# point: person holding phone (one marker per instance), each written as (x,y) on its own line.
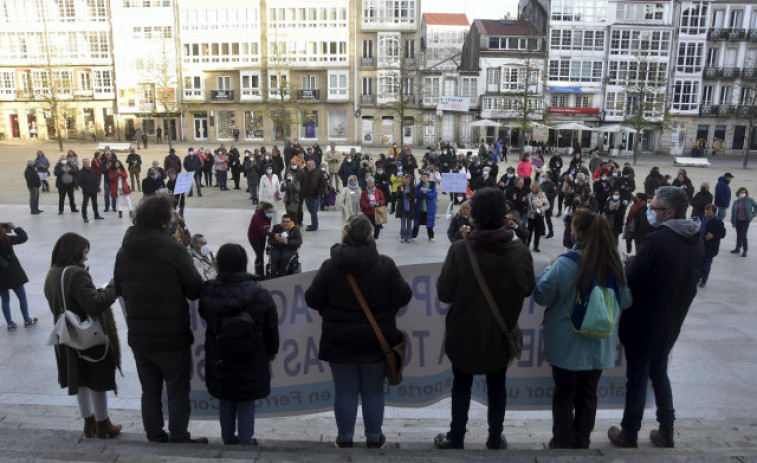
(12,275)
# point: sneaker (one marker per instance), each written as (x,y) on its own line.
(379,443)
(12,326)
(621,440)
(662,438)
(86,220)
(735,251)
(30,323)
(496,442)
(443,442)
(537,250)
(431,240)
(342,443)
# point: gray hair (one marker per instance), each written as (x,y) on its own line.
(370,179)
(357,230)
(196,238)
(352,177)
(672,197)
(580,176)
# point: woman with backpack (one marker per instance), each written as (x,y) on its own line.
(241,339)
(578,358)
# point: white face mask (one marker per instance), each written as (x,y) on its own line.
(742,195)
(205,251)
(615,197)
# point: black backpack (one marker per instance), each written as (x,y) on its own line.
(239,339)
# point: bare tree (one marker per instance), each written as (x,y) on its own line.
(525,97)
(748,110)
(164,75)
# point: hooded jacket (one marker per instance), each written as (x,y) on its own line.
(227,295)
(722,193)
(156,275)
(475,343)
(663,280)
(346,335)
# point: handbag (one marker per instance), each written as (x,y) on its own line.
(380,216)
(78,334)
(513,335)
(394,355)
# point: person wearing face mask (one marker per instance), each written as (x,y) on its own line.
(663,280)
(550,191)
(268,190)
(252,172)
(711,231)
(66,181)
(601,189)
(350,166)
(333,159)
(193,163)
(152,183)
(460,225)
(700,200)
(203,258)
(486,180)
(615,211)
(348,201)
(285,241)
(370,199)
(742,212)
(258,232)
(538,207)
(684,182)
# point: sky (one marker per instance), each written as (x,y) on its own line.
(475,9)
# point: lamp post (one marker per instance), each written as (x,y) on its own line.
(750,103)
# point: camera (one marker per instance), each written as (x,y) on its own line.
(6,227)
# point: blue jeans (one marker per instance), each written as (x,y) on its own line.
(221,178)
(231,412)
(406,226)
(365,380)
(704,273)
(640,369)
(313,204)
(108,200)
(722,211)
(461,393)
(198,183)
(6,297)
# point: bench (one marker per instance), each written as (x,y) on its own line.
(691,162)
(114,146)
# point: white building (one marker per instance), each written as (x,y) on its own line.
(145,65)
(61,46)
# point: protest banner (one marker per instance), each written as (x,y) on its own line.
(454,183)
(183,183)
(302,384)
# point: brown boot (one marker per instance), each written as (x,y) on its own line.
(106,429)
(90,427)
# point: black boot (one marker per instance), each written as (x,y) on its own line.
(662,438)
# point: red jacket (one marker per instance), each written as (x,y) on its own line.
(365,201)
(257,230)
(114,177)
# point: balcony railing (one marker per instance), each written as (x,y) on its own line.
(749,73)
(312,94)
(250,93)
(366,99)
(752,35)
(718,110)
(726,34)
(222,95)
(368,62)
(146,107)
(712,72)
(747,110)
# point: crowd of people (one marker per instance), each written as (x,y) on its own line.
(487,274)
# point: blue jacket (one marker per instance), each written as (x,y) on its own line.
(430,197)
(722,193)
(563,347)
(750,208)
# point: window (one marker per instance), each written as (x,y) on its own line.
(85,81)
(337,125)
(388,48)
(409,51)
(389,11)
(66,10)
(408,87)
(492,77)
(707,92)
(225,122)
(103,82)
(583,10)
(583,101)
(40,82)
(468,86)
(253,125)
(309,124)
(513,79)
(146,3)
(432,87)
(309,82)
(367,48)
(570,39)
(388,85)
(566,70)
(193,87)
(367,86)
(338,84)
(147,96)
(224,52)
(640,11)
(686,95)
(7,83)
(489,103)
(725,94)
(739,137)
(250,84)
(690,55)
(223,83)
(628,42)
(277,83)
(559,101)
(97,10)
(63,82)
(625,72)
(693,18)
(99,44)
(737,19)
(615,104)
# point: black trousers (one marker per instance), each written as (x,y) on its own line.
(574,407)
(535,230)
(85,203)
(742,227)
(63,191)
(423,220)
(461,394)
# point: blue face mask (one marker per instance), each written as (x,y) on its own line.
(652,216)
(352,186)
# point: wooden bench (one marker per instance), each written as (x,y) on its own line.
(114,146)
(691,162)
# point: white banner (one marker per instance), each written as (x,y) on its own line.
(454,183)
(183,183)
(302,384)
(453,103)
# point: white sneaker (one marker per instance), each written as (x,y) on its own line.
(431,239)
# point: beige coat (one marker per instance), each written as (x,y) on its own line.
(348,203)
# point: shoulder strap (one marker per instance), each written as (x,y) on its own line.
(63,289)
(485,289)
(367,312)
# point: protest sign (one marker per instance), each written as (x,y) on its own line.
(454,183)
(183,183)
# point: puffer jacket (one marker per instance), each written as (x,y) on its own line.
(227,295)
(347,336)
(475,343)
(155,275)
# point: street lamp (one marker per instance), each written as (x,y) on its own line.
(750,105)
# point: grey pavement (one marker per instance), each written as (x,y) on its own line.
(713,371)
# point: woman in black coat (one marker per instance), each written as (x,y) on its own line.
(89,380)
(348,342)
(12,275)
(240,313)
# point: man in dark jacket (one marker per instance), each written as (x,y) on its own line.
(711,231)
(285,242)
(555,166)
(152,182)
(88,182)
(155,276)
(107,159)
(723,194)
(349,167)
(653,181)
(701,199)
(33,183)
(235,165)
(65,182)
(550,191)
(663,281)
(193,163)
(311,189)
(473,332)
(172,161)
